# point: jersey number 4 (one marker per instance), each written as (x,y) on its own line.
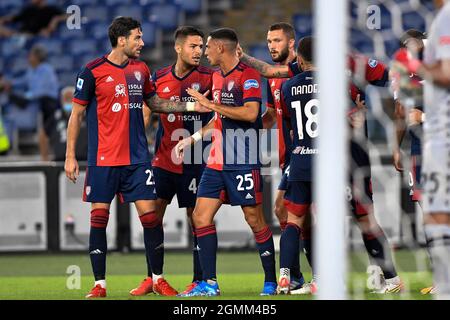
(312,122)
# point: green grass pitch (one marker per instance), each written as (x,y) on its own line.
(44,276)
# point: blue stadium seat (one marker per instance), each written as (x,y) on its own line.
(261,52)
(113,3)
(53,46)
(66,34)
(18,65)
(98,30)
(189,6)
(83,46)
(67,78)
(167,16)
(414,20)
(61,62)
(129,11)
(391,46)
(303,24)
(24,119)
(386,17)
(149,31)
(96,13)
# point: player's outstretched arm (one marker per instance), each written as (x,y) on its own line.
(248,112)
(73,130)
(197,136)
(265,69)
(159,105)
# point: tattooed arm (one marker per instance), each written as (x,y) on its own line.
(158,105)
(265,69)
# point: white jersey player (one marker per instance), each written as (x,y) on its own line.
(436,150)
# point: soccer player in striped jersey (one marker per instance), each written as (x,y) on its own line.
(171,176)
(281,45)
(233,165)
(111,90)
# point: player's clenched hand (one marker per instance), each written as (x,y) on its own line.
(72,169)
(181,145)
(203,102)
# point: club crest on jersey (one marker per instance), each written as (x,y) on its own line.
(80,83)
(137,74)
(372,63)
(120,90)
(195,86)
(230,85)
(251,83)
(171,117)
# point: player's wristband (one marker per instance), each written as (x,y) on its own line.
(423,117)
(197,136)
(190,106)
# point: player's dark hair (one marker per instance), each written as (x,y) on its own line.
(184,31)
(287,28)
(121,27)
(224,34)
(305,48)
(411,33)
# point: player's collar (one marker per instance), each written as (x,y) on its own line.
(183,77)
(116,65)
(229,72)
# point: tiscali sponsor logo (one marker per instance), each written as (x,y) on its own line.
(171,117)
(116,107)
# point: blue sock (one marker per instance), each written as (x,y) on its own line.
(307,246)
(264,243)
(207,242)
(289,246)
(198,273)
(97,242)
(154,242)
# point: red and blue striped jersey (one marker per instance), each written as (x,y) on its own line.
(113,96)
(235,144)
(283,115)
(174,126)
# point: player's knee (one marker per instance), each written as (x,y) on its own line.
(99,218)
(200,220)
(150,219)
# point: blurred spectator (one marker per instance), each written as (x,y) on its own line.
(58,137)
(37,18)
(41,87)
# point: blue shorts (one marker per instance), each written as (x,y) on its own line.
(130,183)
(236,187)
(298,197)
(183,185)
(284,180)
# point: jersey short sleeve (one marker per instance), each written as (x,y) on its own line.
(443,35)
(85,87)
(251,86)
(149,85)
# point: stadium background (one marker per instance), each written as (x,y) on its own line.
(41,212)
